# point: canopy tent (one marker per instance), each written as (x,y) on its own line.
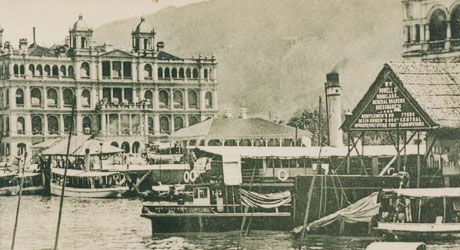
(79,145)
(425,192)
(361,211)
(46,144)
(95,148)
(273,200)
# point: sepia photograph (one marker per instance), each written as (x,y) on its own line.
(229,124)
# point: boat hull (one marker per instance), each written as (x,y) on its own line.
(217,222)
(115,192)
(14,190)
(420,230)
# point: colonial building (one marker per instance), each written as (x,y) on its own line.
(126,97)
(431,30)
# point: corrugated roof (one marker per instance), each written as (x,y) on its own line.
(435,87)
(166,56)
(36,50)
(236,128)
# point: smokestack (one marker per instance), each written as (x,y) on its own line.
(334,109)
(34,35)
(23,44)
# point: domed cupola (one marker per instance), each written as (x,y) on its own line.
(80,35)
(143,37)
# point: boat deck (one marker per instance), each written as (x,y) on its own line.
(280,214)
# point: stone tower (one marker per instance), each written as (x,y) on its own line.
(143,37)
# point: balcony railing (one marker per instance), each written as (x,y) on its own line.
(139,105)
(436,45)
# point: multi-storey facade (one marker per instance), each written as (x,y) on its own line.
(125,97)
(431,30)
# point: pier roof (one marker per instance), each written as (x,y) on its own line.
(431,91)
(238,128)
(307,152)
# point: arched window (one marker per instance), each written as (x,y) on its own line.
(21,148)
(160,73)
(178,99)
(148,96)
(36,97)
(20,126)
(51,98)
(211,76)
(136,146)
(68,97)
(188,73)
(230,143)
(164,125)
(125,147)
(174,73)
(21,70)
(259,143)
(192,120)
(208,100)
(192,99)
(68,121)
(47,70)
(181,73)
(55,70)
(438,25)
(178,123)
(245,143)
(32,70)
(274,143)
(164,99)
(205,73)
(7,149)
(148,71)
(63,71)
(53,125)
(288,142)
(85,98)
(16,70)
(39,70)
(19,97)
(36,125)
(150,124)
(84,70)
(86,125)
(195,73)
(167,73)
(114,143)
(455,23)
(70,71)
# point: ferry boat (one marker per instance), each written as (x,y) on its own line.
(420,213)
(9,184)
(88,184)
(216,207)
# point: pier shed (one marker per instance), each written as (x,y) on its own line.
(412,102)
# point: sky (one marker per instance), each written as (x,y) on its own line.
(53,18)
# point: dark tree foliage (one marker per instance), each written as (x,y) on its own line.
(310,121)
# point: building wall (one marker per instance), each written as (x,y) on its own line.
(134,99)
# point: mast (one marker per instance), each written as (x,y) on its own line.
(19,200)
(65,176)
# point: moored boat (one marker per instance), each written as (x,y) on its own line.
(10,182)
(420,213)
(88,184)
(213,207)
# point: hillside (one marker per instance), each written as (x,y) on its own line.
(276,53)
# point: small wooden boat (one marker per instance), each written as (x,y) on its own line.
(420,213)
(88,184)
(9,184)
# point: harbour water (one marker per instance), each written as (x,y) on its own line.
(116,224)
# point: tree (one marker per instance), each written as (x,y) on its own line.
(310,121)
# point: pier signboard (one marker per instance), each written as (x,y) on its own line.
(379,113)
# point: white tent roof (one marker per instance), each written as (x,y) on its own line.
(426,192)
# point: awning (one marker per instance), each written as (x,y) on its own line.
(82,173)
(60,148)
(95,148)
(425,192)
(46,144)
